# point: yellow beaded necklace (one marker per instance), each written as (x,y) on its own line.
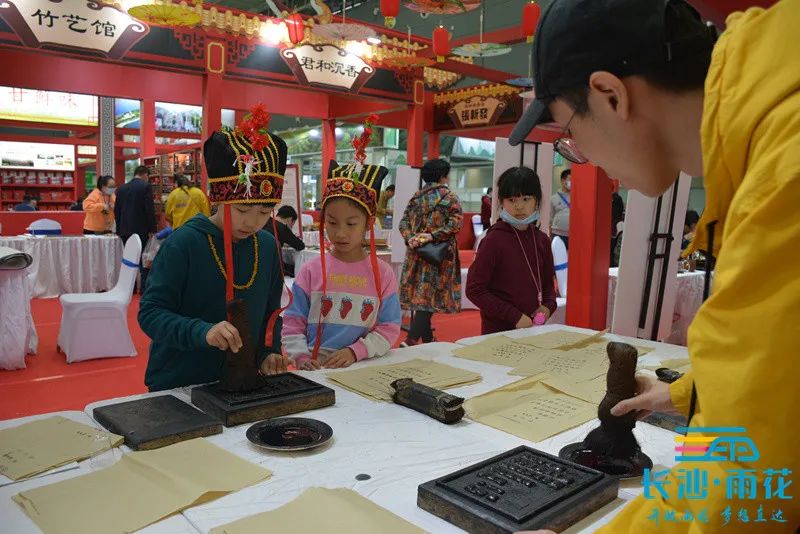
(222,267)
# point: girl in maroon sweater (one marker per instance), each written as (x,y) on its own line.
(511,280)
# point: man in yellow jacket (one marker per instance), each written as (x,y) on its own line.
(636,89)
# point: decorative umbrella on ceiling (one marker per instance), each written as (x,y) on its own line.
(481,49)
(164,12)
(442,7)
(344,31)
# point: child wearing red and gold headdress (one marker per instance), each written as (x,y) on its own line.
(346,307)
(210,261)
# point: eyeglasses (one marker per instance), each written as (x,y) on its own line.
(567,147)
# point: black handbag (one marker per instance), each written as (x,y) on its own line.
(434,253)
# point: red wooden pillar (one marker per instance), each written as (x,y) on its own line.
(328,149)
(212,94)
(416,135)
(147,129)
(434,145)
(589,247)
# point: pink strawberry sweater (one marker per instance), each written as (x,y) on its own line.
(349,313)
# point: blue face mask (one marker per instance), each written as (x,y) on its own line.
(513,221)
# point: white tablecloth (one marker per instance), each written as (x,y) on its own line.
(14,518)
(17,331)
(70,264)
(399,448)
(687,302)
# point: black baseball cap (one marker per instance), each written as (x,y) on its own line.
(578,37)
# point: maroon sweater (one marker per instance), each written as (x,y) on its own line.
(499,282)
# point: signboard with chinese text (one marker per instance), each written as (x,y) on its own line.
(328,66)
(476,111)
(19,104)
(82,24)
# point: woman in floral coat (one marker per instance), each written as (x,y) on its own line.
(433,214)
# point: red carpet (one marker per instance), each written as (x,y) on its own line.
(50,384)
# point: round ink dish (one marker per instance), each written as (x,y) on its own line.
(614,467)
(289,434)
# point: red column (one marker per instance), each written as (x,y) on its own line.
(328,148)
(212,109)
(434,145)
(589,247)
(147,129)
(416,135)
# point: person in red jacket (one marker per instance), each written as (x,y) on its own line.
(511,279)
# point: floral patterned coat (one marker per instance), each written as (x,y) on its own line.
(423,286)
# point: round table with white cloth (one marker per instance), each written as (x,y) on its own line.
(688,299)
(17,330)
(70,264)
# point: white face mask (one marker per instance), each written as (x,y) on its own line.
(568,184)
(109,190)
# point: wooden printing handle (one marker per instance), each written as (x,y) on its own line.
(241,372)
(620,384)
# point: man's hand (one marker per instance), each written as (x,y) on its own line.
(224,336)
(340,358)
(651,396)
(524,322)
(274,364)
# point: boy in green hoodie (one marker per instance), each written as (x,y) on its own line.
(183,309)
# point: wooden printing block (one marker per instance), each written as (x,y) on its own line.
(155,422)
(432,402)
(244,395)
(534,505)
(278,395)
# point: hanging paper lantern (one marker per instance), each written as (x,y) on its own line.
(296,27)
(389,10)
(530,18)
(441,43)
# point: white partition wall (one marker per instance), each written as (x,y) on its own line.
(640,219)
(406,184)
(507,156)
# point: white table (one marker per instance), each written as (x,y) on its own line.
(70,264)
(397,447)
(14,518)
(17,331)
(688,299)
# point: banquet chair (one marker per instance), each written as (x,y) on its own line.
(95,325)
(477,228)
(560,263)
(44,227)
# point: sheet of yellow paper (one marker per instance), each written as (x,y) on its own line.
(499,350)
(591,391)
(675,363)
(568,340)
(140,489)
(577,365)
(334,510)
(529,409)
(32,448)
(375,382)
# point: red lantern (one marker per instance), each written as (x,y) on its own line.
(530,18)
(441,43)
(389,10)
(297,30)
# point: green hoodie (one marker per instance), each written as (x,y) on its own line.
(185,297)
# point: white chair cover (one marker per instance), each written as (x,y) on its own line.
(560,264)
(306,220)
(95,325)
